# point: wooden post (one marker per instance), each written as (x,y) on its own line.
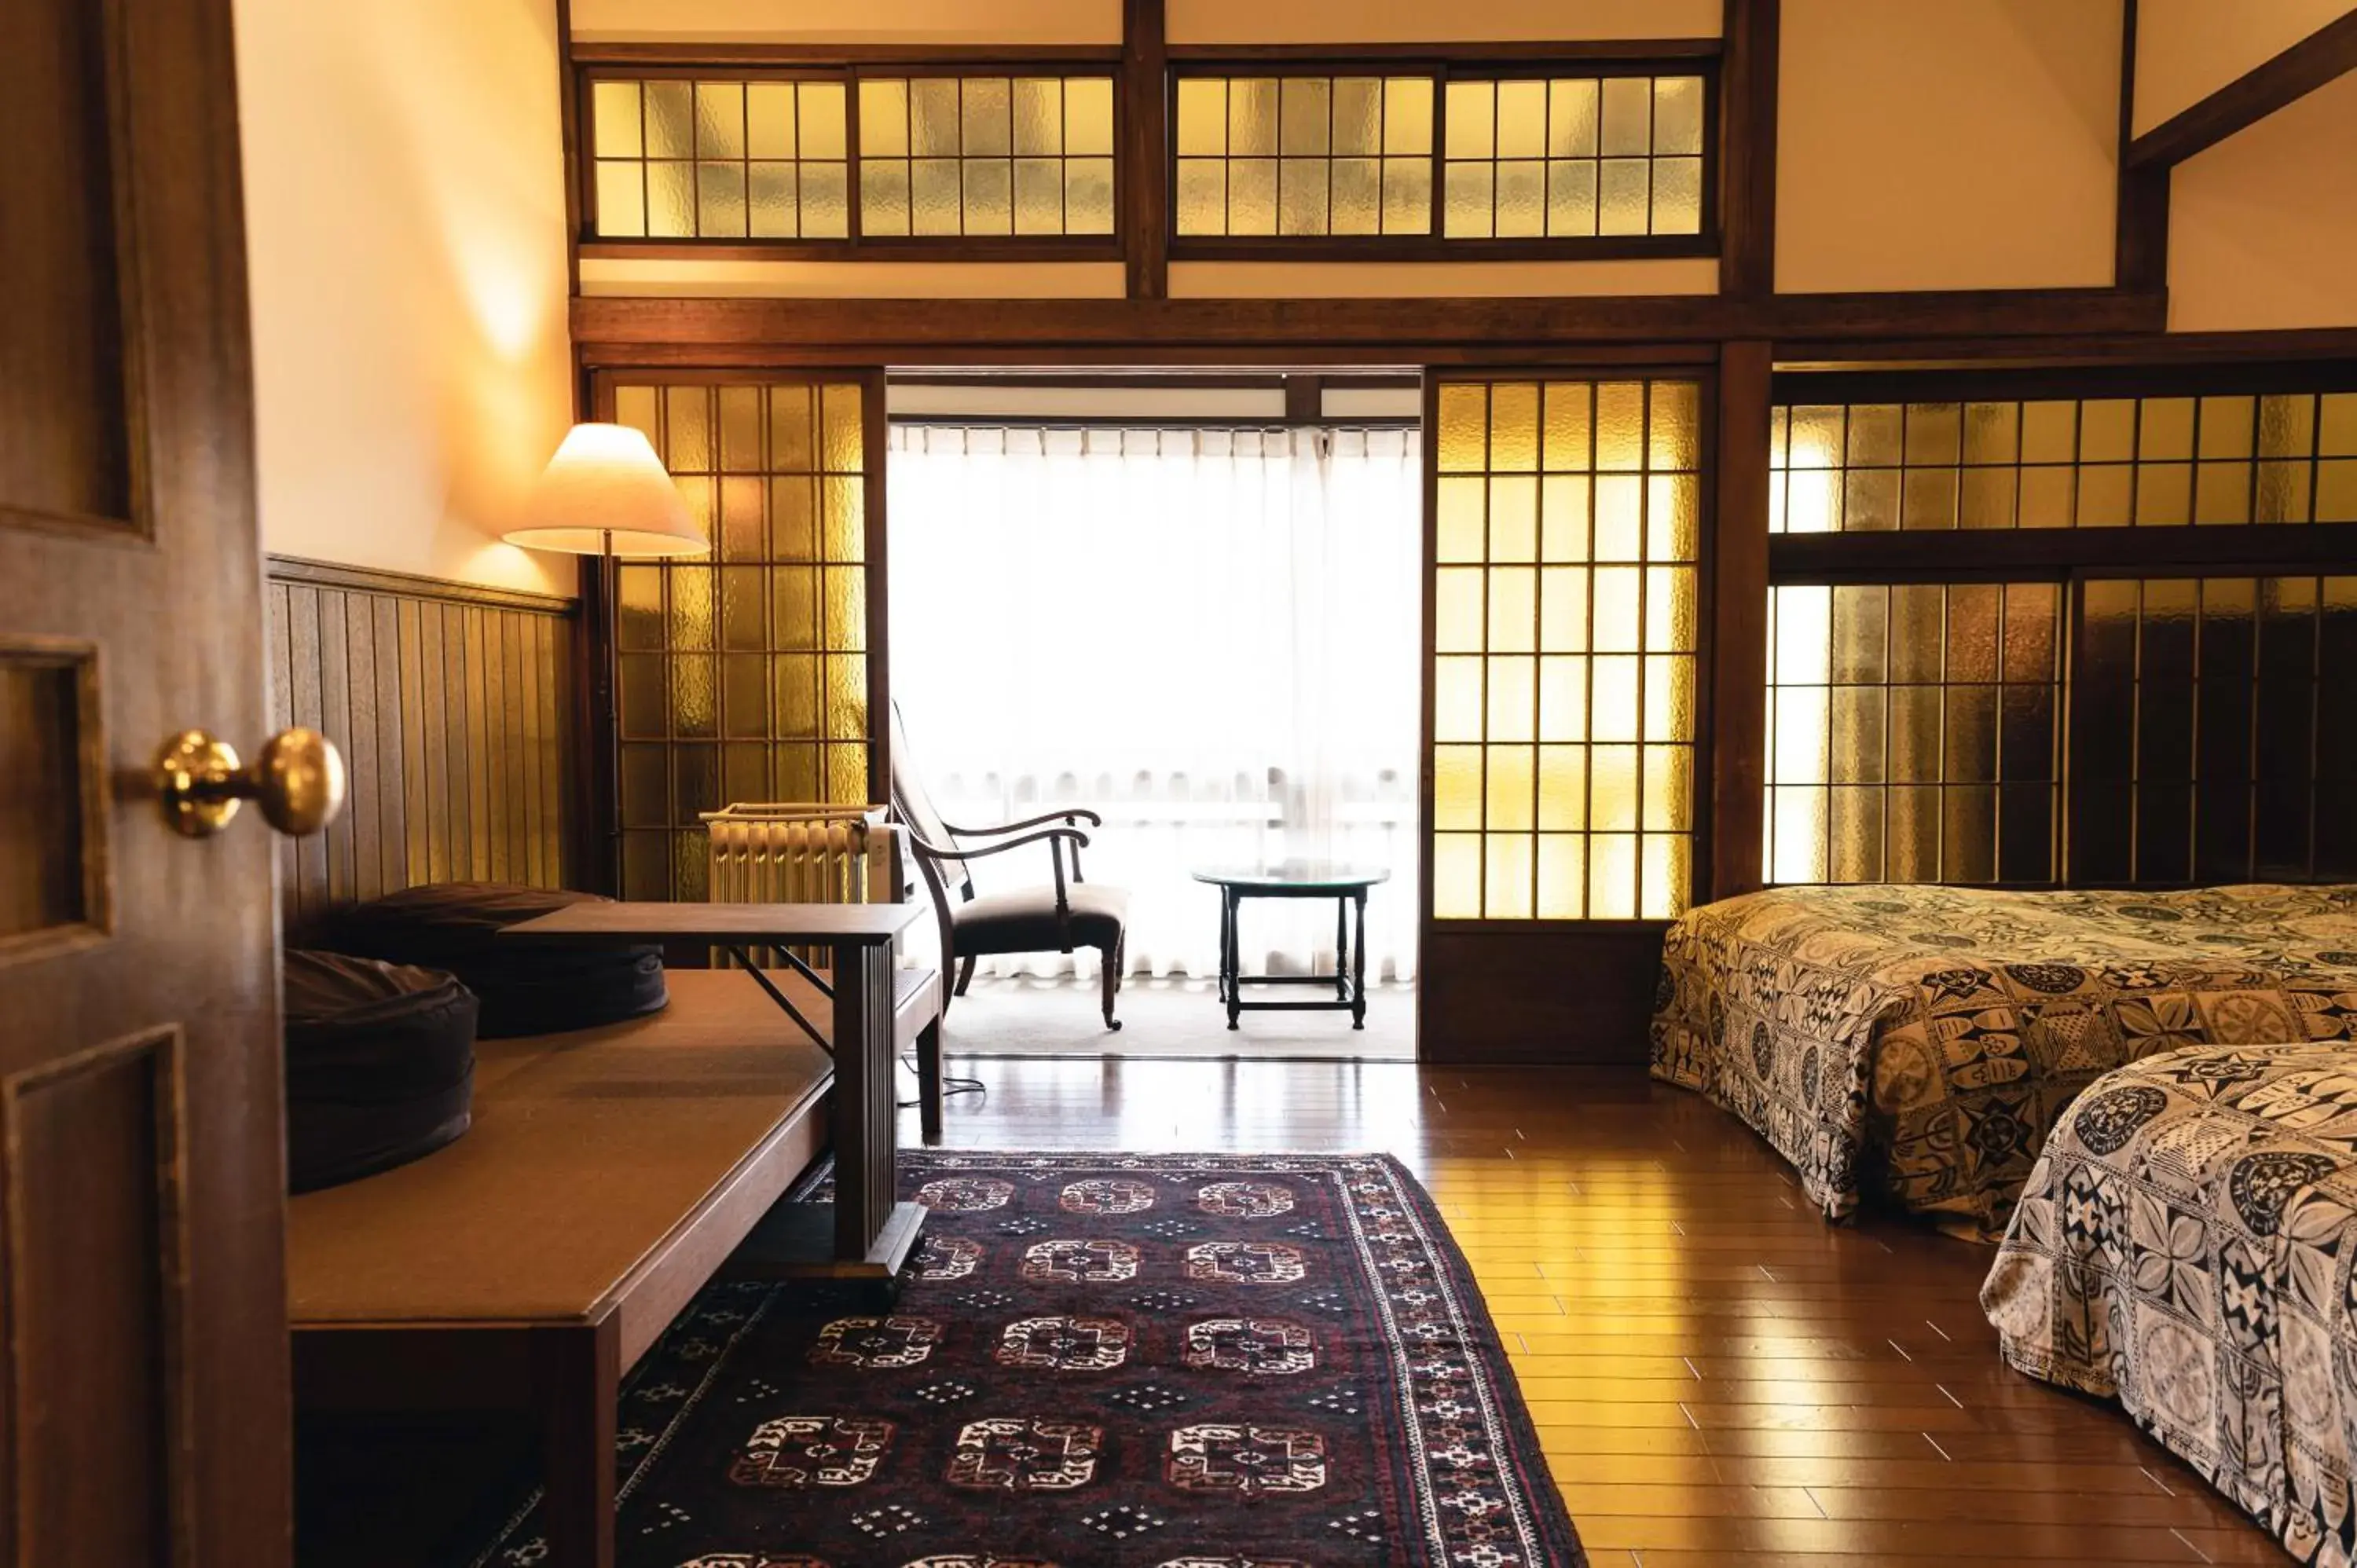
(1145,171)
(1739,621)
(575,1375)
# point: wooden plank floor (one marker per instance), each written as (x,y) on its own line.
(1717,1376)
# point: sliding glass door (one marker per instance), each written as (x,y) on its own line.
(1564,607)
(755,673)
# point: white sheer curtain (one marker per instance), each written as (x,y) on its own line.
(1210,636)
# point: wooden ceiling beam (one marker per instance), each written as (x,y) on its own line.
(2324,55)
(605,325)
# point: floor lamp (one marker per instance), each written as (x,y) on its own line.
(606,495)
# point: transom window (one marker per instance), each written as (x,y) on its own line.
(2065,463)
(1304,154)
(1441,156)
(985,155)
(839,157)
(1574,156)
(720,160)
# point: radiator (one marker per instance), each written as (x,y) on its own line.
(802,854)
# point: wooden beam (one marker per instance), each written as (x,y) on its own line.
(1145,171)
(2140,211)
(755,56)
(1738,618)
(1948,555)
(1747,147)
(2324,55)
(612,329)
(1304,400)
(2275,345)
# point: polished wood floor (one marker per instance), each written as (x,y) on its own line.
(1717,1376)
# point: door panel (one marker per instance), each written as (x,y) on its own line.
(143,1402)
(95,1248)
(1563,625)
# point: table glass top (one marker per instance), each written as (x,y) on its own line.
(1295,873)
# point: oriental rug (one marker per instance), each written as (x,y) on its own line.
(1101,1361)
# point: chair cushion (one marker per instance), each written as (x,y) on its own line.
(1025,920)
(379,1066)
(536,990)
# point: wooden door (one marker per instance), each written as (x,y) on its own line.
(1565,531)
(143,1385)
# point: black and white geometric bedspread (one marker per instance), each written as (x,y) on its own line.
(2184,1245)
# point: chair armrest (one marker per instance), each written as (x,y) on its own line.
(1067,815)
(1047,836)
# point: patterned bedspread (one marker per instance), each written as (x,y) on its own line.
(1921,1040)
(2184,1245)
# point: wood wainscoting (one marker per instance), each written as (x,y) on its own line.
(452,705)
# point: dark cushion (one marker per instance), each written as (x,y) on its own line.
(532,990)
(1024,921)
(379,1066)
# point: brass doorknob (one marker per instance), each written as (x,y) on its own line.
(298,781)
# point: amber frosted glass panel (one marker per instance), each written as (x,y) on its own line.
(1565,616)
(744,674)
(2216,730)
(1304,155)
(985,155)
(2154,462)
(1913,731)
(718,160)
(1573,157)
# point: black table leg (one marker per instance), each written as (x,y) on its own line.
(1232,961)
(1358,966)
(1341,950)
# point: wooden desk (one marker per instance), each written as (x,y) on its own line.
(873,1234)
(609,1172)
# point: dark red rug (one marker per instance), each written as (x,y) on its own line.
(1103,1361)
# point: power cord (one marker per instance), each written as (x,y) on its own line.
(951,1084)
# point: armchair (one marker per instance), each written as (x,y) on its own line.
(1068,914)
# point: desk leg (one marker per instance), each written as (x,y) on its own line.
(873,1234)
(574,1375)
(929,1081)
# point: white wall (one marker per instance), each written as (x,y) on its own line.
(1947,144)
(850,21)
(404,198)
(2187,50)
(1428,21)
(2262,226)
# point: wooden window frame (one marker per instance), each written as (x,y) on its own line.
(853,245)
(1522,62)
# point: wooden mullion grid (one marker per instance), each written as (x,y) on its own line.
(848,69)
(602,733)
(1443,64)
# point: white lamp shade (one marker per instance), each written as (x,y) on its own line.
(606,492)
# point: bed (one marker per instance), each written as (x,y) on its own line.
(1919,1041)
(2183,1245)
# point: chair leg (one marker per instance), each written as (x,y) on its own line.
(965,973)
(1112,958)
